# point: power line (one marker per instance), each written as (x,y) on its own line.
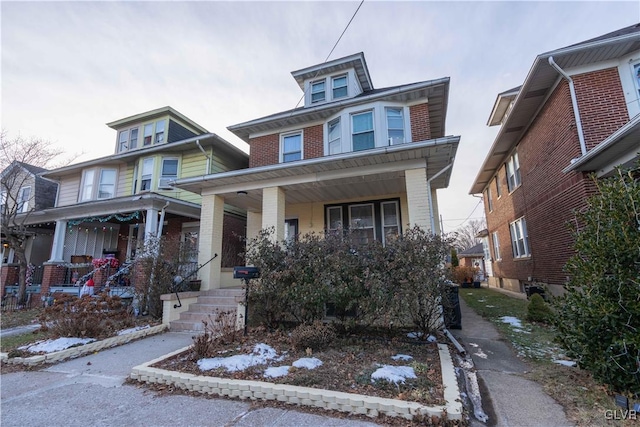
(467,218)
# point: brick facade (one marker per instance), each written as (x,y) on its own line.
(420,124)
(601,104)
(264,150)
(313,142)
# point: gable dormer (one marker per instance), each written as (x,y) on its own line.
(161,126)
(502,107)
(335,80)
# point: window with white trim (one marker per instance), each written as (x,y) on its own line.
(160,131)
(88,178)
(291,147)
(496,246)
(498,189)
(107,186)
(3,202)
(133,138)
(635,69)
(489,201)
(318,92)
(513,172)
(339,86)
(362,131)
(169,172)
(23,199)
(361,221)
(123,140)
(335,136)
(146,174)
(334,218)
(395,125)
(148,134)
(519,238)
(390,221)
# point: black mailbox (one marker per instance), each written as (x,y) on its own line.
(246,272)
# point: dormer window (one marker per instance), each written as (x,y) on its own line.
(122,140)
(362,135)
(147,174)
(148,134)
(160,132)
(339,85)
(133,139)
(317,91)
(395,126)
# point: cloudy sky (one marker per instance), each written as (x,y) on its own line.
(70,67)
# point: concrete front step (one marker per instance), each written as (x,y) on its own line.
(228,292)
(206,306)
(192,316)
(211,300)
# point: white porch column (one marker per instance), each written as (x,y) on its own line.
(273,207)
(151,224)
(210,241)
(418,198)
(435,212)
(57,248)
(254,224)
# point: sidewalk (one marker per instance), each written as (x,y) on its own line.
(512,400)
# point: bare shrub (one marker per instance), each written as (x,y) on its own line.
(315,336)
(219,328)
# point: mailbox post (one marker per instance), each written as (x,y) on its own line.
(246,274)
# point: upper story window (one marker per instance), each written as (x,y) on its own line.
(3,202)
(123,140)
(169,171)
(133,138)
(489,201)
(148,134)
(636,76)
(498,189)
(496,246)
(291,147)
(88,178)
(395,125)
(107,186)
(317,91)
(362,133)
(519,238)
(335,136)
(513,172)
(98,184)
(160,131)
(146,174)
(23,199)
(339,86)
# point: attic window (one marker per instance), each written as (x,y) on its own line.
(317,91)
(339,85)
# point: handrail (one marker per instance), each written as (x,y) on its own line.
(176,286)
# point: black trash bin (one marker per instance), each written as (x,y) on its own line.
(452,314)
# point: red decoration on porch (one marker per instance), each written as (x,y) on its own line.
(100,262)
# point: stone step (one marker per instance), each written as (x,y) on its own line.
(185,326)
(198,307)
(227,292)
(219,300)
(200,316)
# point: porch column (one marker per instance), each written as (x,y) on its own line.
(151,224)
(210,240)
(273,206)
(418,198)
(254,224)
(57,248)
(435,212)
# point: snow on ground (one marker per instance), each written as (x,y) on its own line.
(132,330)
(513,321)
(307,363)
(418,335)
(394,374)
(481,353)
(260,355)
(50,346)
(401,357)
(276,371)
(565,362)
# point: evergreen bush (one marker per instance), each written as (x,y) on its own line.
(538,310)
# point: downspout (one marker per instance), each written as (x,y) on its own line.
(206,155)
(162,219)
(574,102)
(431,217)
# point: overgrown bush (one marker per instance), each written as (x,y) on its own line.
(598,318)
(538,310)
(315,336)
(101,316)
(221,327)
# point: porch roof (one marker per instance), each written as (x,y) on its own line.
(367,173)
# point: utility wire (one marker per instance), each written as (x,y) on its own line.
(467,218)
(332,49)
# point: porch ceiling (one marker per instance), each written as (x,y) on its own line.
(376,172)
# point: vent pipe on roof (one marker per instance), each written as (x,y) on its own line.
(574,101)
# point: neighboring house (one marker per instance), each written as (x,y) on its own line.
(109,206)
(577,112)
(352,157)
(473,257)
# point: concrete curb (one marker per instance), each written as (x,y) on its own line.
(73,352)
(327,399)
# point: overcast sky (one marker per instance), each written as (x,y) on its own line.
(70,67)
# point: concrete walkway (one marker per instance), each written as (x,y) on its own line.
(510,399)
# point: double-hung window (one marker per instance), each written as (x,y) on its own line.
(88,178)
(133,138)
(636,76)
(362,222)
(107,186)
(519,238)
(169,172)
(291,147)
(496,246)
(335,134)
(339,86)
(23,199)
(123,140)
(148,134)
(489,201)
(362,134)
(395,126)
(513,172)
(334,218)
(160,131)
(498,189)
(3,202)
(147,174)
(390,221)
(318,92)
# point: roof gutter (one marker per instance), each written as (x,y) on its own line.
(574,102)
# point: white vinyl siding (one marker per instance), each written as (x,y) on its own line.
(519,238)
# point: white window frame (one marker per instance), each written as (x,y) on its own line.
(145,134)
(496,246)
(123,140)
(163,182)
(337,140)
(373,128)
(373,218)
(133,143)
(388,226)
(158,136)
(152,162)
(519,238)
(312,91)
(514,179)
(3,202)
(489,200)
(334,87)
(284,136)
(339,210)
(22,201)
(635,75)
(389,129)
(101,183)
(87,185)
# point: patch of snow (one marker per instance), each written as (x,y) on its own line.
(276,371)
(565,362)
(482,300)
(260,355)
(481,353)
(490,306)
(401,357)
(307,363)
(513,321)
(418,335)
(394,374)
(474,345)
(132,330)
(50,346)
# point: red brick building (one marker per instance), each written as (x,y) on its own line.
(577,113)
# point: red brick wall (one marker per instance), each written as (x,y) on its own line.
(601,104)
(313,142)
(420,126)
(8,276)
(264,150)
(546,198)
